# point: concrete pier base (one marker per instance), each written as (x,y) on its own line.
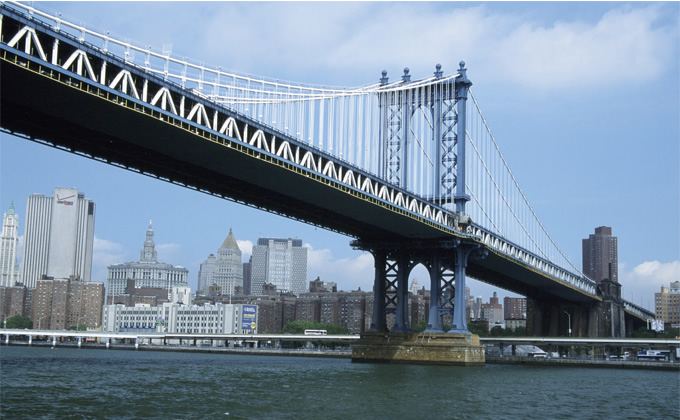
(419,348)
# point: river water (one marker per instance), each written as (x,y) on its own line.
(46,383)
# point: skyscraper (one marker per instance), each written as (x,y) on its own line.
(600,255)
(205,274)
(228,266)
(667,304)
(58,236)
(225,270)
(281,262)
(9,274)
(146,273)
(247,275)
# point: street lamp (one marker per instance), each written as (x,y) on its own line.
(569,318)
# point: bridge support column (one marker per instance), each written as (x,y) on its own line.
(594,321)
(379,322)
(30,340)
(80,341)
(54,341)
(554,319)
(401,323)
(459,321)
(434,324)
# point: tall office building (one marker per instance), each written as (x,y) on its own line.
(281,262)
(225,270)
(9,241)
(247,275)
(667,304)
(228,266)
(205,274)
(146,273)
(58,236)
(600,255)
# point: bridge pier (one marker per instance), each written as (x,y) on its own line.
(447,262)
(554,318)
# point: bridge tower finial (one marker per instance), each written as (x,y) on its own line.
(406,77)
(384,79)
(463,72)
(438,72)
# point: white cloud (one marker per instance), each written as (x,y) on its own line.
(348,273)
(104,254)
(626,44)
(246,248)
(640,283)
(170,253)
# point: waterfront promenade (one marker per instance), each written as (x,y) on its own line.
(321,347)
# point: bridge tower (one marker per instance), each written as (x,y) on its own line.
(445,258)
(444,103)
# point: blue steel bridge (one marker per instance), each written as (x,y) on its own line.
(406,167)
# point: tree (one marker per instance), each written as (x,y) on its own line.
(79,327)
(419,326)
(498,331)
(19,322)
(643,332)
(479,328)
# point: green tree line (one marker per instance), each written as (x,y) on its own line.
(18,322)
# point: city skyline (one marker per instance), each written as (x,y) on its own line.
(570,148)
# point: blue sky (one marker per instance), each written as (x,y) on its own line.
(583,99)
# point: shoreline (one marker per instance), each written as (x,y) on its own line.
(597,363)
(345,354)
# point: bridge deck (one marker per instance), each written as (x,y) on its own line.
(120,132)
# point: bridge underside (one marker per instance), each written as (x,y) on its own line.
(105,130)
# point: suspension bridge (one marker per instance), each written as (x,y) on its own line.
(408,168)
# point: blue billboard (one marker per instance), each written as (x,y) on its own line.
(249,318)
